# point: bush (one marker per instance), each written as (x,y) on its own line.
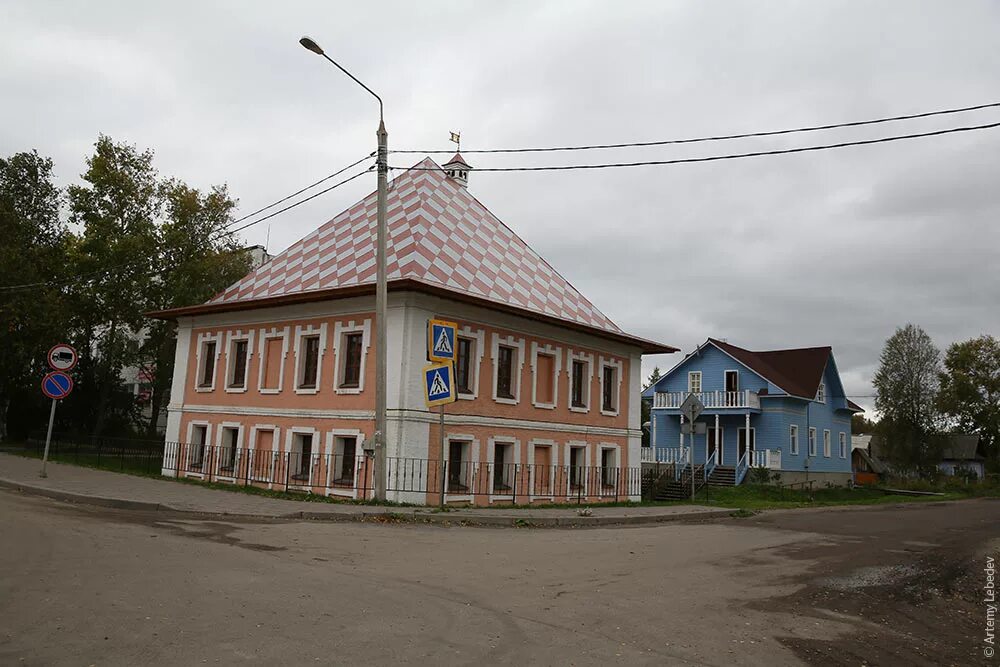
(762,476)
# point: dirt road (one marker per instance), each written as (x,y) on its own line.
(892,585)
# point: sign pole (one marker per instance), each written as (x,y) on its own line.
(48,438)
(444,480)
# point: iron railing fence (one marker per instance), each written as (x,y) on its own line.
(353,475)
(110,453)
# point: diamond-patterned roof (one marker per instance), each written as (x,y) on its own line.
(438,234)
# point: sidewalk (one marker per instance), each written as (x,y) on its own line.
(109,489)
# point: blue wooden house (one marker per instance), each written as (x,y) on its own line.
(785,410)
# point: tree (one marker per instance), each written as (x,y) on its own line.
(970,390)
(645,407)
(861,424)
(906,386)
(117,209)
(33,253)
(197,258)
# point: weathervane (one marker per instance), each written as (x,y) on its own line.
(457,138)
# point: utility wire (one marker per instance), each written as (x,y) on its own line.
(733,156)
(298,192)
(722,137)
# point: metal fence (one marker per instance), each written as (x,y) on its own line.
(353,475)
(124,454)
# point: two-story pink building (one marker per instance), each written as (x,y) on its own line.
(274,377)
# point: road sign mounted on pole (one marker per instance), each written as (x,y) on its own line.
(57,385)
(441,340)
(438,386)
(692,407)
(62,357)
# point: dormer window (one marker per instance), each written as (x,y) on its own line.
(821,393)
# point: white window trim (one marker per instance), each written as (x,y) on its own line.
(588,359)
(473,444)
(203,338)
(264,336)
(275,443)
(219,432)
(617,365)
(812,441)
(232,337)
(827,443)
(725,374)
(691,376)
(556,353)
(793,439)
(478,349)
(567,448)
(300,333)
(330,451)
(608,446)
(208,443)
(821,392)
(843,445)
(290,443)
(340,331)
(518,344)
(515,446)
(532,445)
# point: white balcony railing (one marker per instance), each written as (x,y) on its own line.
(766,458)
(711,399)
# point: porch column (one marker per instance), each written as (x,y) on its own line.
(681,441)
(747,437)
(718,443)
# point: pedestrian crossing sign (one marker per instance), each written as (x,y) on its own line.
(438,385)
(441,340)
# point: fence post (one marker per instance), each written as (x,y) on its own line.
(513,490)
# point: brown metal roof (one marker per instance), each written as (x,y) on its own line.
(797,371)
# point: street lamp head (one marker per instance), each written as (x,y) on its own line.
(311,45)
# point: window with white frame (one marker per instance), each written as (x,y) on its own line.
(821,392)
(793,439)
(545,364)
(843,445)
(459,466)
(300,463)
(609,466)
(464,355)
(351,342)
(345,460)
(196,449)
(577,466)
(309,362)
(272,349)
(228,443)
(812,442)
(508,358)
(208,355)
(611,370)
(826,443)
(694,382)
(238,361)
(503,467)
(579,379)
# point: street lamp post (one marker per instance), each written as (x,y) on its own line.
(381,291)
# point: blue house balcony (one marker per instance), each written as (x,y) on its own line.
(715,402)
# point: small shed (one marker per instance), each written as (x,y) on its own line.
(961,452)
(867,469)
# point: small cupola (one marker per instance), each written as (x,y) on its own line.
(458,170)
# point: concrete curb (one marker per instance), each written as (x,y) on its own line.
(490,519)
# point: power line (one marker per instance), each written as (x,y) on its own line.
(300,202)
(722,137)
(733,156)
(298,192)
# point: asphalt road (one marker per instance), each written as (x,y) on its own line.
(90,586)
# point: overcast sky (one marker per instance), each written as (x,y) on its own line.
(833,248)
